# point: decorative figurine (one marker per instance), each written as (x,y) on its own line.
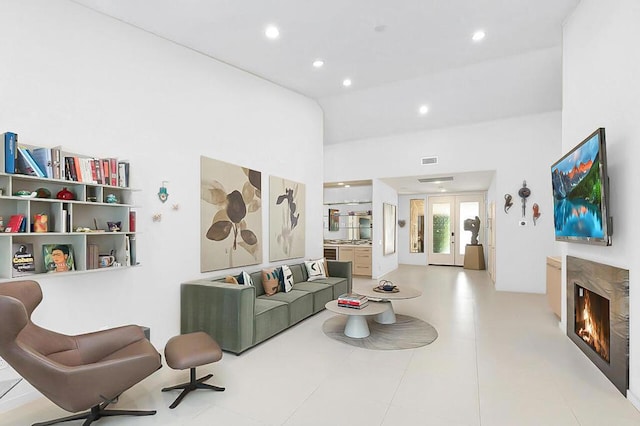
(65,194)
(524,192)
(111,199)
(507,202)
(536,213)
(473,225)
(162,193)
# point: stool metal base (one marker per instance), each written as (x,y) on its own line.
(192,385)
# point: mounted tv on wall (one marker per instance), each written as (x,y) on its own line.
(581,193)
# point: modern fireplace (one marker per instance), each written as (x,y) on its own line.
(598,316)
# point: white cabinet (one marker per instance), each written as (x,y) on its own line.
(89,210)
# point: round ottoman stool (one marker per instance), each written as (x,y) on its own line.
(190,351)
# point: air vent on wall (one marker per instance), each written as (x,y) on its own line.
(436,179)
(429,160)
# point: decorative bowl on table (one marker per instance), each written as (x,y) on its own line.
(386,286)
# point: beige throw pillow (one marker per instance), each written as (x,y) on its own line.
(270,281)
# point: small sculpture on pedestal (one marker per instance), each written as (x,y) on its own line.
(473,225)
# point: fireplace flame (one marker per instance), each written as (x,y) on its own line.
(591,333)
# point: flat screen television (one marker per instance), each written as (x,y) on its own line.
(581,193)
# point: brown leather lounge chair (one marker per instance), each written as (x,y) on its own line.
(77,373)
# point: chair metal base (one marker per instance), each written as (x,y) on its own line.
(192,385)
(96,413)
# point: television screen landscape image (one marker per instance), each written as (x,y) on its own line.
(580,199)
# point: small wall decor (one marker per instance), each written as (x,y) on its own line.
(162,193)
(507,202)
(536,213)
(402,223)
(524,192)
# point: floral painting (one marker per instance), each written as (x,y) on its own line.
(286,219)
(230,215)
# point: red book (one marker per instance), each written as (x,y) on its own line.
(132,221)
(113,162)
(15,221)
(78,166)
(94,172)
(106,173)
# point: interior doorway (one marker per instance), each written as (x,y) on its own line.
(447,237)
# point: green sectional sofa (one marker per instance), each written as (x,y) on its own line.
(239,317)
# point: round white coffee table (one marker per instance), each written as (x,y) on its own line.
(385,298)
(356,326)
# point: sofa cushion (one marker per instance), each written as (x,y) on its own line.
(230,279)
(270,281)
(315,269)
(322,293)
(271,317)
(300,303)
(257,282)
(286,278)
(299,272)
(339,285)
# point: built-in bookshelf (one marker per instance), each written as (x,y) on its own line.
(96,220)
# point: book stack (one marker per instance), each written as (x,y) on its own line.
(102,171)
(352,300)
(93,256)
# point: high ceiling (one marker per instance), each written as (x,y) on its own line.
(399,54)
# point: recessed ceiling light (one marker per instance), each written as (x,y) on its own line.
(272,32)
(347,186)
(423,110)
(340,183)
(318,63)
(442,189)
(346,82)
(478,35)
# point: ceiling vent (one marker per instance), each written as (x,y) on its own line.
(436,179)
(429,160)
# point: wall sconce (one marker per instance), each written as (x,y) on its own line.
(162,193)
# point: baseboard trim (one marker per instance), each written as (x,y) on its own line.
(634,399)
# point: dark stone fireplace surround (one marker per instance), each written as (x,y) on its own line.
(613,284)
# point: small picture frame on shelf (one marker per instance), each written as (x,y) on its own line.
(58,257)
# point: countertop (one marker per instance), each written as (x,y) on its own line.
(364,245)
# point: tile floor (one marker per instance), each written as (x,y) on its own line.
(500,359)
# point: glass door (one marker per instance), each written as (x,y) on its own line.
(446,226)
(441,226)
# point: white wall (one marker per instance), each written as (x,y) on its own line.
(381,263)
(96,86)
(601,66)
(517,149)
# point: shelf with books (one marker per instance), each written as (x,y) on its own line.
(95,215)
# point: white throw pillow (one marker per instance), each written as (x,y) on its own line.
(246,278)
(315,269)
(287,278)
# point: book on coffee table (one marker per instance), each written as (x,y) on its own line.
(352,300)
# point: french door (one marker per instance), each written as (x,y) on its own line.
(447,236)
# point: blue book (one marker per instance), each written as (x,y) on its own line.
(10,152)
(30,165)
(43,159)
